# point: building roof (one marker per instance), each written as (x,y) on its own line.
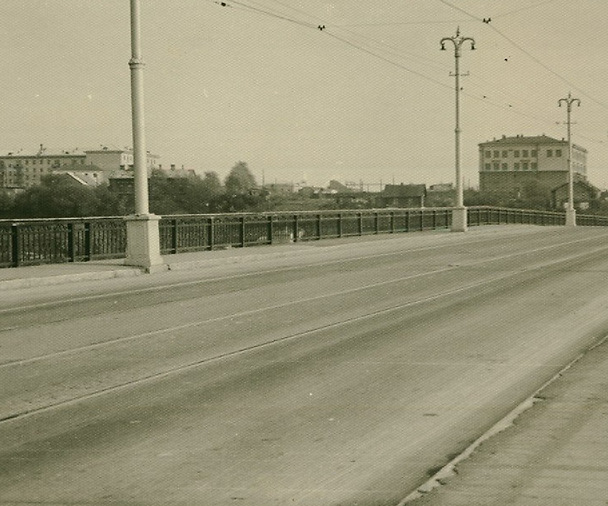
(522,139)
(580,182)
(404,190)
(31,154)
(527,140)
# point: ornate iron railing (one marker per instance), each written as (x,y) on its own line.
(39,241)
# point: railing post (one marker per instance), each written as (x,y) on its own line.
(87,241)
(407,221)
(211,232)
(319,226)
(376,223)
(71,245)
(15,239)
(270,229)
(242,232)
(360,223)
(296,228)
(392,221)
(174,235)
(339,224)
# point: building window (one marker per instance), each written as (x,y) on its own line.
(505,154)
(524,153)
(488,154)
(516,153)
(496,166)
(496,154)
(524,165)
(534,166)
(558,153)
(516,166)
(488,166)
(505,166)
(533,153)
(549,153)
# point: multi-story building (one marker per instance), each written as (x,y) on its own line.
(20,170)
(117,159)
(508,163)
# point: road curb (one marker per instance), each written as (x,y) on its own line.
(14,284)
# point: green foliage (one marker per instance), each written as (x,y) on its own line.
(59,196)
(532,195)
(6,204)
(240,180)
(185,195)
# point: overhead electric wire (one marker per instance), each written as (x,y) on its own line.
(324,29)
(526,8)
(262,9)
(400,23)
(376,55)
(527,53)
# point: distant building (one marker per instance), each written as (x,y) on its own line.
(280,188)
(20,169)
(508,163)
(118,159)
(402,195)
(584,193)
(85,175)
(337,187)
(440,195)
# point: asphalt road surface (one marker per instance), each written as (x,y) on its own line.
(344,375)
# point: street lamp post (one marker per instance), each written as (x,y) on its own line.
(143,238)
(570,210)
(459,215)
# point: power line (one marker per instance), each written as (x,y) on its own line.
(323,28)
(400,23)
(360,48)
(527,7)
(376,53)
(527,53)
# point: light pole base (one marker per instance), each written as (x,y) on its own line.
(143,243)
(459,219)
(571,217)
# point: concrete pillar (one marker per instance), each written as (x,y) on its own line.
(143,243)
(570,217)
(459,219)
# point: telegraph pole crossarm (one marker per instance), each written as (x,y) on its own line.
(459,216)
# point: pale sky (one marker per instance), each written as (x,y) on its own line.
(369,98)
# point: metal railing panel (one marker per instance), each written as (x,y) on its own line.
(31,242)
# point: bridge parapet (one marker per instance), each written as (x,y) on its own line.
(42,241)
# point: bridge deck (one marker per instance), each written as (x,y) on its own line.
(367,348)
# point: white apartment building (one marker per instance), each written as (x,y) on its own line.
(506,163)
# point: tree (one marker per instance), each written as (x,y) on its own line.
(6,204)
(240,180)
(58,195)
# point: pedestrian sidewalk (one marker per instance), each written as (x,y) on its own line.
(554,453)
(54,274)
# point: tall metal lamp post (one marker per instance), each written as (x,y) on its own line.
(570,210)
(143,238)
(459,215)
